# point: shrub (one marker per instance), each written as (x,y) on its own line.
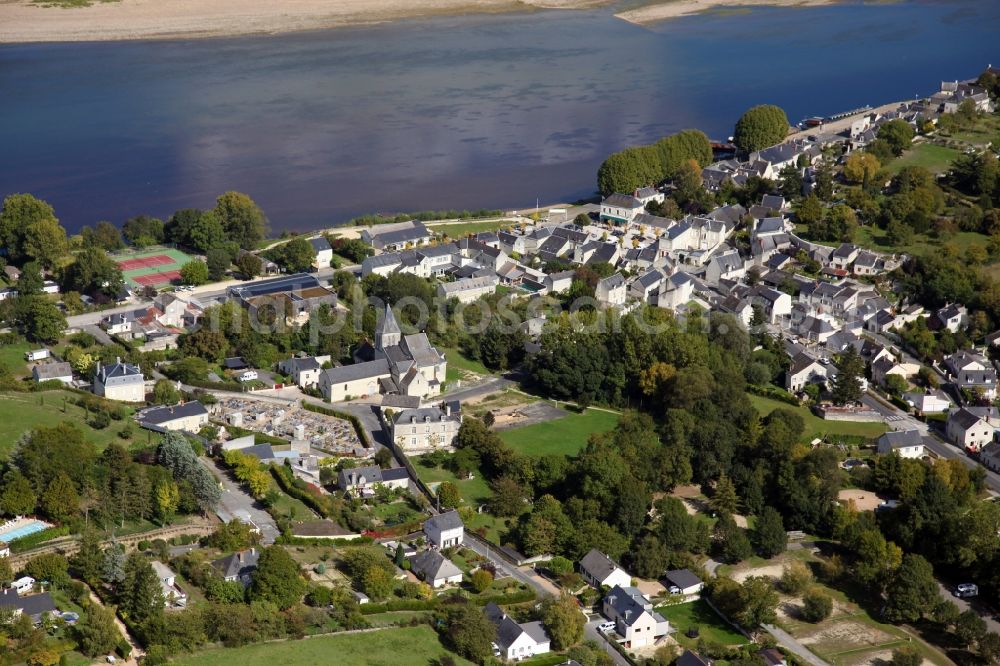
(816,605)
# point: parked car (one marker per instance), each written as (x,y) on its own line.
(605,627)
(966,590)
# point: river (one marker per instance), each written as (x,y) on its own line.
(463,112)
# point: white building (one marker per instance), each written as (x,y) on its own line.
(469,290)
(969,430)
(611,291)
(324,253)
(600,570)
(304,370)
(120,381)
(634,617)
(173,595)
(445,529)
(422,429)
(189,416)
(435,569)
(516,641)
(906,443)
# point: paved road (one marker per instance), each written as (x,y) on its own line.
(786,641)
(974,603)
(235,500)
(591,632)
(485,387)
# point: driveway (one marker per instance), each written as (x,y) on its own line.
(485,387)
(973,603)
(235,501)
(590,632)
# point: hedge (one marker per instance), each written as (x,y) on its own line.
(218,386)
(774,393)
(33,540)
(292,540)
(358,428)
(258,436)
(431,604)
(287,483)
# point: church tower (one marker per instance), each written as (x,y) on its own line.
(387,333)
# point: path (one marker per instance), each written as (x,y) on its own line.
(136,652)
(491,385)
(786,641)
(974,604)
(591,632)
(235,500)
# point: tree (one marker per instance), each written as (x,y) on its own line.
(45,241)
(249,265)
(205,343)
(898,134)
(377,582)
(165,393)
(168,497)
(96,632)
(724,498)
(913,592)
(143,230)
(18,214)
(6,572)
(791,182)
(562,618)
(140,598)
(206,232)
(877,559)
(861,167)
(30,282)
(17,498)
(469,632)
(481,579)
(92,273)
(448,495)
(816,605)
(796,578)
(218,261)
(809,210)
(51,567)
(60,501)
(847,384)
(770,537)
(295,256)
(508,496)
(759,602)
(970,628)
(760,127)
(179,225)
(733,543)
(989,648)
(39,319)
(194,273)
(113,567)
(175,453)
(277,579)
(242,219)
(88,561)
(907,655)
(383,458)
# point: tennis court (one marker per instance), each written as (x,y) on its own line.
(155,267)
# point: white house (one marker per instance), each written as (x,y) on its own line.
(324,253)
(120,381)
(173,595)
(304,370)
(435,569)
(60,372)
(469,290)
(422,429)
(906,443)
(445,529)
(634,617)
(683,581)
(362,481)
(968,430)
(516,641)
(621,208)
(804,370)
(189,416)
(600,570)
(931,402)
(611,291)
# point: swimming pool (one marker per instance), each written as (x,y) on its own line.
(23,530)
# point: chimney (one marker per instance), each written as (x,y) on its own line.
(447,409)
(628,614)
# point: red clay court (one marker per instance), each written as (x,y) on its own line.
(154,279)
(145,262)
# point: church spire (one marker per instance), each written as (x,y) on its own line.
(387,333)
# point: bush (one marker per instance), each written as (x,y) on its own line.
(906,655)
(816,605)
(795,578)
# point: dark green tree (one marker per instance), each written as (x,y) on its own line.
(847,384)
(96,631)
(243,221)
(277,578)
(760,127)
(913,592)
(769,534)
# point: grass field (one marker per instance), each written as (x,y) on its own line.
(12,358)
(564,436)
(875,239)
(474,491)
(460,367)
(466,228)
(410,646)
(936,159)
(21,412)
(815,426)
(137,276)
(709,624)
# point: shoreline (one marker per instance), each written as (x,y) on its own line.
(27,22)
(664,11)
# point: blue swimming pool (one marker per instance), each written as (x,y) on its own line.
(23,531)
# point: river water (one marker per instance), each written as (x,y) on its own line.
(467,112)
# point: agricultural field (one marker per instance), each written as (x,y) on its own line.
(565,436)
(21,412)
(410,646)
(815,426)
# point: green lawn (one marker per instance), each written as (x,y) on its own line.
(474,491)
(465,228)
(564,436)
(286,505)
(21,412)
(459,366)
(875,238)
(410,646)
(12,357)
(815,426)
(936,159)
(699,614)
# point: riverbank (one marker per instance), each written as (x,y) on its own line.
(677,8)
(23,21)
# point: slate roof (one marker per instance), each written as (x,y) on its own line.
(319,244)
(119,369)
(348,373)
(161,415)
(622,201)
(683,578)
(445,521)
(964,418)
(32,605)
(598,564)
(433,565)
(629,604)
(689,658)
(899,439)
(238,564)
(259,451)
(613,281)
(53,371)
